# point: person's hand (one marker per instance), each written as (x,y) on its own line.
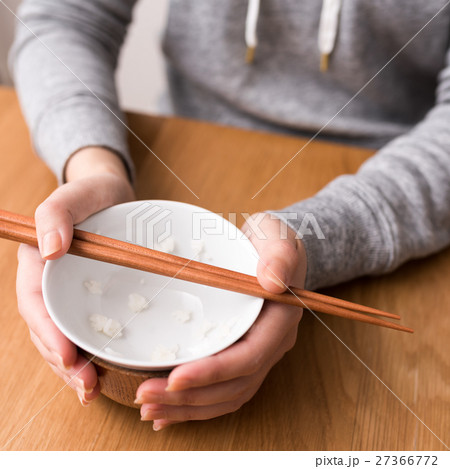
(222,383)
(96,179)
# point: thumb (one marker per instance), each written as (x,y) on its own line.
(279,260)
(70,204)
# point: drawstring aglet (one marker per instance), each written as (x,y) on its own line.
(324,62)
(250,55)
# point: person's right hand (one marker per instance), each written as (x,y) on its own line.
(96,179)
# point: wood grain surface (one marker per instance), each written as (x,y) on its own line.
(344,386)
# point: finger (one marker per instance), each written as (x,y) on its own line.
(153,391)
(160,424)
(186,413)
(70,204)
(277,250)
(85,396)
(184,406)
(257,347)
(32,308)
(154,411)
(82,376)
(49,356)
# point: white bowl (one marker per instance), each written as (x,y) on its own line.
(155,338)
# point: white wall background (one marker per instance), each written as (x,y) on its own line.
(6,34)
(140,76)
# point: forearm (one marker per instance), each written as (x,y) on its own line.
(394,209)
(63,62)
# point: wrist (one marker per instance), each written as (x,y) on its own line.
(93,161)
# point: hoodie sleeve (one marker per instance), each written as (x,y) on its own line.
(395,208)
(63,62)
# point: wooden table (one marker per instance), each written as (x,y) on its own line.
(320,396)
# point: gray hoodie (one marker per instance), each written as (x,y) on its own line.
(397,207)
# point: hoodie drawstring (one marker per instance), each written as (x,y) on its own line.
(328,28)
(251,39)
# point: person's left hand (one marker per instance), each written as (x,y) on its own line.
(222,383)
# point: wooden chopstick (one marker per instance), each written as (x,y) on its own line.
(182,262)
(213,270)
(19,228)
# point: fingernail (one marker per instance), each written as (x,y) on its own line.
(60,362)
(84,403)
(274,279)
(148,397)
(51,243)
(154,414)
(147,416)
(80,384)
(157,425)
(84,396)
(178,385)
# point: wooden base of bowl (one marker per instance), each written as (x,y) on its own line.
(119,383)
